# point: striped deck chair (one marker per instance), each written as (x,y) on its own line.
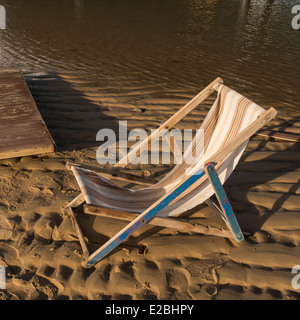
(229,124)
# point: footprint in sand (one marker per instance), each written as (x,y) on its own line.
(178,280)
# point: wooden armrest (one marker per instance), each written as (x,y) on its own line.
(191,105)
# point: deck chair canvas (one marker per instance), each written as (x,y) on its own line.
(229,124)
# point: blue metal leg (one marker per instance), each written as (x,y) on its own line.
(155,209)
(141,220)
(224,202)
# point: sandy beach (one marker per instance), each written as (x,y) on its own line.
(40,249)
(89,65)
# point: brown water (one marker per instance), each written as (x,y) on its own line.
(137,53)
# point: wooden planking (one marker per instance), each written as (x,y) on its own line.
(22,128)
(279,135)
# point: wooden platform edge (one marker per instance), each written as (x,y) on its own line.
(8,154)
(48,132)
(28,152)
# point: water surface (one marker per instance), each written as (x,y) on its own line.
(148,52)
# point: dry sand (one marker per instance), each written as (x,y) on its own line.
(41,252)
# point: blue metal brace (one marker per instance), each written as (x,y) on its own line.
(141,220)
(224,202)
(148,215)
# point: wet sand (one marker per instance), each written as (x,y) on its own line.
(41,252)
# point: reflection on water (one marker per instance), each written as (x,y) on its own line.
(171,44)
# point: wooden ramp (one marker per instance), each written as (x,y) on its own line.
(22,128)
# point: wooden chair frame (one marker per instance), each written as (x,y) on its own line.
(150,215)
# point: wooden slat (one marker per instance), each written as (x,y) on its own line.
(279,135)
(174,223)
(116,174)
(22,129)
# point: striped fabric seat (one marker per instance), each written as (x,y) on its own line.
(229,115)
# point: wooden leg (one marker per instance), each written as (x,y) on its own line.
(76,201)
(79,233)
(69,209)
